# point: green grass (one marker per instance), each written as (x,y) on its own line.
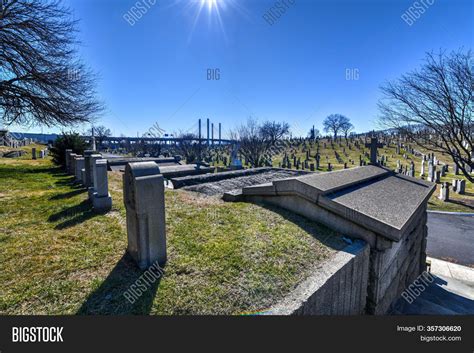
(59,257)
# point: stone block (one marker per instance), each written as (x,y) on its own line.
(145,204)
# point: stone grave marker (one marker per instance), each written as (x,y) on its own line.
(101,200)
(444,192)
(79,165)
(144,199)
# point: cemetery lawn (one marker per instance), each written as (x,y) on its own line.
(59,257)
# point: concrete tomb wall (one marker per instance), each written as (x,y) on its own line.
(386,210)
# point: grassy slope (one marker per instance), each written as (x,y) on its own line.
(59,257)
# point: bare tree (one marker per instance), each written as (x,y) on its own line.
(253,145)
(335,123)
(433,106)
(346,128)
(100,133)
(41,79)
(273,131)
(189,147)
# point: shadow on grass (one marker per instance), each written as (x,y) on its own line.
(74,215)
(460,203)
(68,194)
(70,181)
(109,298)
(318,231)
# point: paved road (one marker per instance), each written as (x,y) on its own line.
(451,238)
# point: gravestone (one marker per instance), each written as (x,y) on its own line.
(461,187)
(144,200)
(444,192)
(92,160)
(431,171)
(101,200)
(312,167)
(79,165)
(33,153)
(42,154)
(455,185)
(443,170)
(68,160)
(437,178)
(422,171)
(87,157)
(373,145)
(73,163)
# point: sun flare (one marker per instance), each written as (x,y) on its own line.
(210,4)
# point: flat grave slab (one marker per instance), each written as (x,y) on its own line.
(220,183)
(371,196)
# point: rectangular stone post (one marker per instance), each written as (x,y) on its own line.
(101,200)
(144,199)
(68,160)
(88,168)
(33,153)
(79,165)
(92,160)
(461,187)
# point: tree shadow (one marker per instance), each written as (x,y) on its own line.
(68,195)
(116,296)
(74,215)
(66,181)
(465,204)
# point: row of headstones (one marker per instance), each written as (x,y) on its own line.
(42,153)
(11,142)
(90,170)
(459,186)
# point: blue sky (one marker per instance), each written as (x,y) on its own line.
(293,70)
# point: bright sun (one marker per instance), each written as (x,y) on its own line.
(210,3)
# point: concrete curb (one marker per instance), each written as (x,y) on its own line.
(453,213)
(449,269)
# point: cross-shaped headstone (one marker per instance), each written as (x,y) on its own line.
(373,145)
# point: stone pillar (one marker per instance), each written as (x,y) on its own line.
(42,154)
(68,160)
(444,192)
(144,199)
(92,160)
(455,185)
(101,200)
(72,160)
(33,153)
(88,176)
(79,165)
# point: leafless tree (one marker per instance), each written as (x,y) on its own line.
(41,79)
(273,131)
(253,145)
(433,106)
(100,133)
(334,123)
(189,147)
(346,128)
